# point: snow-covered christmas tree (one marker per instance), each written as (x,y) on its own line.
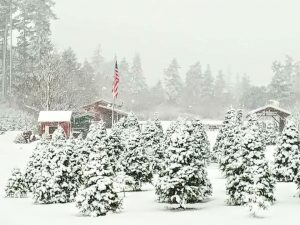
(200,142)
(98,195)
(16,186)
(232,164)
(229,142)
(184,178)
(258,181)
(35,163)
(137,163)
(151,138)
(94,142)
(230,118)
(55,180)
(271,133)
(287,154)
(115,149)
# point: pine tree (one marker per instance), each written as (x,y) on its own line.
(173,83)
(137,163)
(257,178)
(130,125)
(281,87)
(98,195)
(35,163)
(201,143)
(271,133)
(229,141)
(193,85)
(287,154)
(218,147)
(234,169)
(16,186)
(183,178)
(94,142)
(115,150)
(152,140)
(55,180)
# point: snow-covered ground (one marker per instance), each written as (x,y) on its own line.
(139,207)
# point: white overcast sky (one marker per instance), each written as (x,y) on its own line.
(233,35)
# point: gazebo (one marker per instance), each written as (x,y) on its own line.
(274,112)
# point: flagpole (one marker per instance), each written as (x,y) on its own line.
(113,111)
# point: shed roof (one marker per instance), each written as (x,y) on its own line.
(55,116)
(270,108)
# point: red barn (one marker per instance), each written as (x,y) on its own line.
(50,120)
(102,110)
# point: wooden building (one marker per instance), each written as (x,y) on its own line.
(102,110)
(50,120)
(274,112)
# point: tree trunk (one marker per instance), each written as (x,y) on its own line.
(4,62)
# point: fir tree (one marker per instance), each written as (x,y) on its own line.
(257,178)
(201,143)
(115,150)
(152,140)
(98,195)
(183,178)
(35,163)
(137,163)
(55,180)
(218,147)
(16,186)
(229,142)
(233,167)
(271,133)
(173,83)
(287,154)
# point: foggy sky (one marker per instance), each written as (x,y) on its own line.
(236,36)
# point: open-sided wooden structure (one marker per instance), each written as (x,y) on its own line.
(276,113)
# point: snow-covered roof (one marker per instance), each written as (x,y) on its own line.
(55,116)
(269,108)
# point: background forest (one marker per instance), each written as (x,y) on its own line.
(34,74)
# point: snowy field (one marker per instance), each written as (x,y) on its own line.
(140,208)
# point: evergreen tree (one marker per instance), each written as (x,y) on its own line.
(193,85)
(115,150)
(137,163)
(157,94)
(98,195)
(183,178)
(208,85)
(94,142)
(257,178)
(55,180)
(281,87)
(229,141)
(200,142)
(35,163)
(152,140)
(271,133)
(16,186)
(234,168)
(287,154)
(173,83)
(218,147)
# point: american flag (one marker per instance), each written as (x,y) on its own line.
(115,88)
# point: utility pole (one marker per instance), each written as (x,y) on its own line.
(10,49)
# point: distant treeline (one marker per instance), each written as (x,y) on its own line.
(37,75)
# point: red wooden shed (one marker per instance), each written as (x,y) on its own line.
(50,120)
(102,110)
